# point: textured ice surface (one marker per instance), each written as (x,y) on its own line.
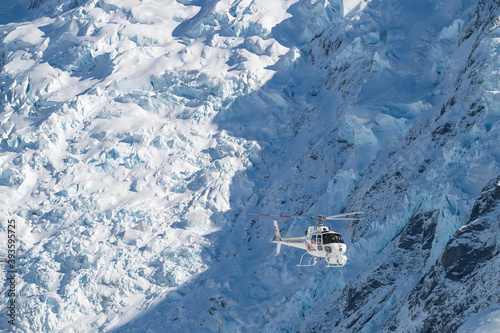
(133,132)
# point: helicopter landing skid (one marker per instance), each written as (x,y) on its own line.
(331,261)
(312,260)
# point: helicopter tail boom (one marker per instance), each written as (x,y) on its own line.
(299,242)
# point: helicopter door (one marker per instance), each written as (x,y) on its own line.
(319,243)
(313,243)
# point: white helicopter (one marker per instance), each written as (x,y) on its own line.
(319,242)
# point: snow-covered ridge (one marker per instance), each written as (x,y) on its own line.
(134,131)
(110,163)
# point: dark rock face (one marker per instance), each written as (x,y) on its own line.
(468,249)
(487,201)
(476,243)
(465,279)
(419,232)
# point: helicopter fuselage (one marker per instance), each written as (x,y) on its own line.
(318,242)
(324,243)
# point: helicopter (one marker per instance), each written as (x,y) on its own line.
(318,242)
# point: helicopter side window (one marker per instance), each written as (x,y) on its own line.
(313,239)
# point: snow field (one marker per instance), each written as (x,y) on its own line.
(133,131)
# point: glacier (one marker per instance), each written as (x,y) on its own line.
(133,132)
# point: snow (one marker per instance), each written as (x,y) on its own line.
(133,132)
(485,321)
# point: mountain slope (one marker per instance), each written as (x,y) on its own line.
(133,132)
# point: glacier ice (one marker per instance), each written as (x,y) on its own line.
(133,132)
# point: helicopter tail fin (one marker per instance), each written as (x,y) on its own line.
(277,230)
(278,236)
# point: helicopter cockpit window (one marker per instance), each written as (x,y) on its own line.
(313,239)
(332,238)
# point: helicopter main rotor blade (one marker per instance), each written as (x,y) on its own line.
(340,216)
(270,215)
